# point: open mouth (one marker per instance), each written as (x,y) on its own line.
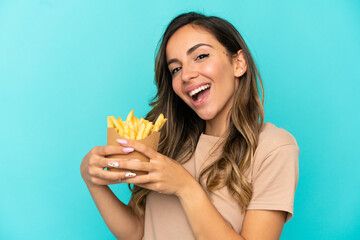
(198,94)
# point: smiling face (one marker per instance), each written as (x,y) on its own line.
(203,74)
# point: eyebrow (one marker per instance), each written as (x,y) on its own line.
(192,49)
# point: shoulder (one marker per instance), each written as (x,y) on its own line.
(275,170)
(272,137)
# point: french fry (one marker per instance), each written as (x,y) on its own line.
(121,122)
(110,122)
(136,123)
(147,130)
(121,131)
(132,131)
(142,120)
(118,126)
(158,122)
(116,123)
(130,116)
(126,132)
(160,126)
(140,131)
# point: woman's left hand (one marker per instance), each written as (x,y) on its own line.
(165,175)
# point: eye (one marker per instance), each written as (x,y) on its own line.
(201,56)
(175,70)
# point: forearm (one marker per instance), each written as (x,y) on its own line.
(206,222)
(120,218)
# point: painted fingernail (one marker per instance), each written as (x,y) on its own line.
(122,141)
(127,150)
(118,180)
(135,160)
(113,164)
(130,174)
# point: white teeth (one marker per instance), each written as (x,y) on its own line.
(195,91)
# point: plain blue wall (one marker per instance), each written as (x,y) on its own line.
(66,65)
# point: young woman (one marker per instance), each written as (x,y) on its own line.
(220,173)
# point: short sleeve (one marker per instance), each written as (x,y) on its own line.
(275,179)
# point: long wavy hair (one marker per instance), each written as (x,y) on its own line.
(185,126)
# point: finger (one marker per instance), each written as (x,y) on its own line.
(104,162)
(131,164)
(111,150)
(110,162)
(151,185)
(109,175)
(134,164)
(139,147)
(139,179)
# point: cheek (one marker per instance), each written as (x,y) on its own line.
(213,69)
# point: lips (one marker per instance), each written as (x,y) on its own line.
(198,93)
(199,89)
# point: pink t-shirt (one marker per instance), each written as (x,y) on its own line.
(273,174)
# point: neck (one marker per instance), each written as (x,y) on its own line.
(217,127)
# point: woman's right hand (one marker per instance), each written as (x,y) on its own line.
(94,163)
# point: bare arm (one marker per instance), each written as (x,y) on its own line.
(120,218)
(263,224)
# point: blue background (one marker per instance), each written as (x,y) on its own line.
(66,65)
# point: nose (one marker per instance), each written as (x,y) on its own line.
(188,73)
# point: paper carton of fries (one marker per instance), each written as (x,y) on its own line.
(136,129)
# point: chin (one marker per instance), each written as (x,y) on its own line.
(205,115)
